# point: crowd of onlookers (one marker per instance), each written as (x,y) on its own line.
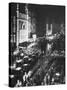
(31,65)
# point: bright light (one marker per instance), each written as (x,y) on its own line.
(34,37)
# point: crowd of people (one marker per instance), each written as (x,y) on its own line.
(32,65)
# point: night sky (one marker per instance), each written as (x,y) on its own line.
(42,13)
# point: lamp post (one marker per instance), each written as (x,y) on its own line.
(26,10)
(17,25)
